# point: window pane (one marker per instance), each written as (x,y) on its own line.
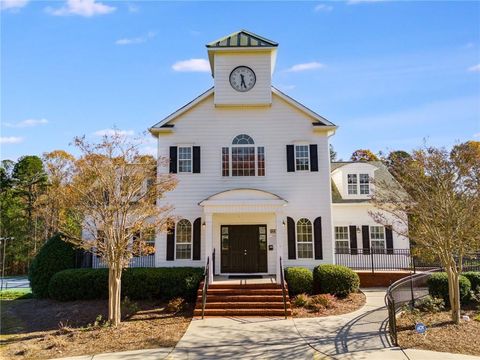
(243,139)
(342,247)
(352,184)
(341,232)
(304,230)
(305,251)
(261,160)
(377,233)
(184,159)
(225,162)
(364,184)
(302,158)
(243,161)
(184,251)
(184,231)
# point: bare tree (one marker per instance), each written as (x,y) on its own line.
(113,193)
(440,212)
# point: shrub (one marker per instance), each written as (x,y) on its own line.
(129,307)
(137,283)
(322,301)
(299,280)
(54,256)
(175,305)
(430,304)
(301,300)
(335,279)
(438,287)
(474,278)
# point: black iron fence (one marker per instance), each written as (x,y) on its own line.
(403,292)
(373,259)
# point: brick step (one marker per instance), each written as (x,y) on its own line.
(242,312)
(242,292)
(242,298)
(242,305)
(242,286)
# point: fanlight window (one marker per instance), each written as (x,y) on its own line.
(243,139)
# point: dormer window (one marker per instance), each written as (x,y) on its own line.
(356,187)
(243,158)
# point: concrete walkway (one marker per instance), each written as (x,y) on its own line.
(358,335)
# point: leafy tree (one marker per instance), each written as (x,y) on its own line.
(363,155)
(440,212)
(333,153)
(108,194)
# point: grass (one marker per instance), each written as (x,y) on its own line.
(17,294)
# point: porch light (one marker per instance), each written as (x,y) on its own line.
(358,229)
(283,223)
(203,225)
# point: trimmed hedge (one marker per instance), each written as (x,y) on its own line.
(54,256)
(438,287)
(137,283)
(474,277)
(335,279)
(299,280)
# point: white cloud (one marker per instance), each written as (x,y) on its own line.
(149,150)
(475,68)
(10,139)
(477,135)
(136,40)
(111,132)
(133,8)
(323,7)
(85,8)
(306,66)
(192,65)
(27,123)
(12,5)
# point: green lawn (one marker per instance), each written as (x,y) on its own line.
(15,294)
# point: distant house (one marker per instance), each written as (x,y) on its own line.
(255,179)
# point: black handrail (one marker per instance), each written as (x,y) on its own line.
(284,293)
(205,286)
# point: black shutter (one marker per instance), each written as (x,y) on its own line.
(389,239)
(366,239)
(317,238)
(196,159)
(173,160)
(171,244)
(353,239)
(197,234)
(313,157)
(292,253)
(290,158)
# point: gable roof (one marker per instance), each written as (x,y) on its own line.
(320,121)
(241,38)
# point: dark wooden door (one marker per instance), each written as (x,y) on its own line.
(244,248)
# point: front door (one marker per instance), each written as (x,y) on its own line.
(244,248)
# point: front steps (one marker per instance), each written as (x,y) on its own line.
(243,300)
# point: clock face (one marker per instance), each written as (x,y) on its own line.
(242,78)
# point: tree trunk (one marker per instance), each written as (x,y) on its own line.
(454,293)
(114,295)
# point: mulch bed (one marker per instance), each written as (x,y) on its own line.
(44,329)
(346,305)
(442,334)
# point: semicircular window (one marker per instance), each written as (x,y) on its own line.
(243,139)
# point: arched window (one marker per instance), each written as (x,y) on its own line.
(243,139)
(183,247)
(304,239)
(243,158)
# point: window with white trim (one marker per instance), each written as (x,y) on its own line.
(377,238)
(352,184)
(144,242)
(304,239)
(342,240)
(364,184)
(183,234)
(302,157)
(184,159)
(243,158)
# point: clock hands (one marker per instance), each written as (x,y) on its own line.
(242,82)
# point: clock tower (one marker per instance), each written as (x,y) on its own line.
(242,64)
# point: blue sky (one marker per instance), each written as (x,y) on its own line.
(389,74)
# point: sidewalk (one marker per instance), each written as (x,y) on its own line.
(358,335)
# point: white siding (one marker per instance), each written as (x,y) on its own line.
(259,62)
(211,128)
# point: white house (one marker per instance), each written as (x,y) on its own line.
(255,178)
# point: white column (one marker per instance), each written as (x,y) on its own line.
(280,235)
(209,242)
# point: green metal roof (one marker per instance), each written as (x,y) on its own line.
(242,38)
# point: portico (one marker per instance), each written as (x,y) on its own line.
(246,230)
